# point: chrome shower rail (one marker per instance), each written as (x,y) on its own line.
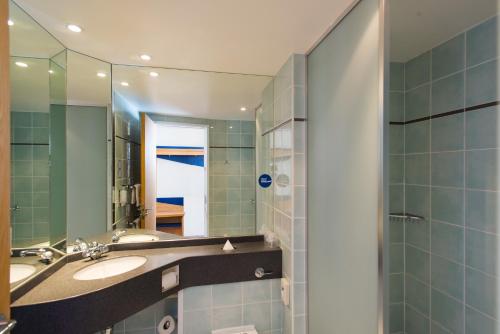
(407,217)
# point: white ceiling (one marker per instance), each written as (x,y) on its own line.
(251,36)
(190,93)
(419,25)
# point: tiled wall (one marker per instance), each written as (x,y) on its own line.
(30,177)
(231,174)
(281,153)
(127,155)
(147,320)
(450,172)
(210,307)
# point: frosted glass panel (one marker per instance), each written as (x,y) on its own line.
(343,175)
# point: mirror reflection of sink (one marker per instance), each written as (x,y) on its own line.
(19,272)
(138,238)
(109,268)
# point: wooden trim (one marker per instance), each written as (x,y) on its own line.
(164,210)
(178,151)
(5,161)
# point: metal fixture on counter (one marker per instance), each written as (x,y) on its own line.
(94,250)
(260,272)
(407,217)
(15,208)
(46,256)
(117,234)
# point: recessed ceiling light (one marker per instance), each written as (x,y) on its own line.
(243,108)
(101,74)
(124,83)
(10,22)
(74,28)
(21,64)
(153,74)
(146,57)
(51,71)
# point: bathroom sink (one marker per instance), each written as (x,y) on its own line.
(138,238)
(109,268)
(19,272)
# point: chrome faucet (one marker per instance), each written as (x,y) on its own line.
(93,250)
(117,234)
(80,245)
(46,256)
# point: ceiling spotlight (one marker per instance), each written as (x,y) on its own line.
(21,64)
(51,71)
(243,108)
(74,28)
(10,22)
(101,74)
(153,74)
(146,57)
(124,83)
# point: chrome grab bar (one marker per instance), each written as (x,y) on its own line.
(407,217)
(6,325)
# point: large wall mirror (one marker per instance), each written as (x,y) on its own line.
(100,150)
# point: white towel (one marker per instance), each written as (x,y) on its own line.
(132,196)
(123,196)
(137,188)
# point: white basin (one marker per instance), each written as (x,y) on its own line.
(138,238)
(20,271)
(109,268)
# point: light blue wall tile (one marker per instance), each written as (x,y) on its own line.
(417,71)
(396,198)
(417,169)
(417,294)
(227,317)
(418,234)
(396,139)
(396,261)
(437,328)
(197,322)
(481,292)
(482,210)
(418,200)
(396,165)
(481,84)
(447,133)
(417,263)
(447,169)
(482,128)
(448,204)
(22,152)
(415,322)
(396,107)
(21,119)
(396,318)
(417,103)
(482,42)
(259,315)
(396,230)
(417,137)
(256,291)
(482,251)
(396,76)
(447,276)
(448,94)
(23,135)
(476,322)
(447,311)
(196,298)
(227,294)
(140,320)
(447,241)
(482,169)
(277,315)
(40,119)
(449,57)
(396,288)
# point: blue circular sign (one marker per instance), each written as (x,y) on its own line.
(265,180)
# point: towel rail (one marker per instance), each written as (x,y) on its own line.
(407,217)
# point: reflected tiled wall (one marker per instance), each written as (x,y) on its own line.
(30,177)
(451,178)
(210,307)
(281,153)
(231,174)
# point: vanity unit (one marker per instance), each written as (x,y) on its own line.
(82,295)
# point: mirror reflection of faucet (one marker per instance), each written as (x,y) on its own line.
(46,256)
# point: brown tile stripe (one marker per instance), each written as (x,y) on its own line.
(449,113)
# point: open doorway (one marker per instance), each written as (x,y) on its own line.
(178,181)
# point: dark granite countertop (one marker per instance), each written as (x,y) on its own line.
(61,284)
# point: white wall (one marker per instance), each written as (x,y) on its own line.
(176,179)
